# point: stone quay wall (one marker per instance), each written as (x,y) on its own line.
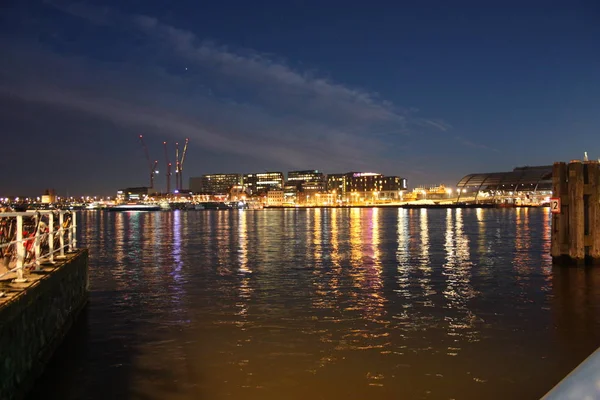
(34,318)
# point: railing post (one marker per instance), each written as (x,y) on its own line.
(61,230)
(74,231)
(70,235)
(51,236)
(20,250)
(38,240)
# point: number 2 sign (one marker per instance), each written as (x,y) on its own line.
(555,205)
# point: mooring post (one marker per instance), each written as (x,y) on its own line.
(575,207)
(593,169)
(576,212)
(560,211)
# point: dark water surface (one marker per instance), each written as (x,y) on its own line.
(325,304)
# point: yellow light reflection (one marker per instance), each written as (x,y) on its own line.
(365,225)
(461,322)
(424,262)
(546,241)
(522,260)
(403,254)
(244,270)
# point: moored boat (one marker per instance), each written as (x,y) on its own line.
(135,207)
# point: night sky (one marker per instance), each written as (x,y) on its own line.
(427,90)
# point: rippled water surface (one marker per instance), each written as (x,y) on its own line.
(325,304)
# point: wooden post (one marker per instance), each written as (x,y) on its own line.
(576,211)
(559,221)
(594,211)
(576,226)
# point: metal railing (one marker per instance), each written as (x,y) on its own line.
(28,239)
(582,383)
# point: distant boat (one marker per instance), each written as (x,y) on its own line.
(214,205)
(135,207)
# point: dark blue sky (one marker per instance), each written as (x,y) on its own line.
(429,90)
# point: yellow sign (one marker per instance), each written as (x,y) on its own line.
(555,205)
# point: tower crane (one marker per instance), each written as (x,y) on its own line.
(177,166)
(168,168)
(151,165)
(185,146)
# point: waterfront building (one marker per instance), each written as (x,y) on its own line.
(49,197)
(435,192)
(393,183)
(215,183)
(338,183)
(299,177)
(275,198)
(312,193)
(290,194)
(238,193)
(133,193)
(262,182)
(365,182)
(373,187)
(521,186)
(313,187)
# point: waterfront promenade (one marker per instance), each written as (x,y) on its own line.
(43,287)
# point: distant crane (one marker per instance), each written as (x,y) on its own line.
(168,168)
(152,165)
(179,164)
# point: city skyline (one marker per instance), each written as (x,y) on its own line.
(427,92)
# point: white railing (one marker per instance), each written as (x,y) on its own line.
(28,239)
(582,383)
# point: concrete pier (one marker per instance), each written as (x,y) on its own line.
(576,213)
(34,317)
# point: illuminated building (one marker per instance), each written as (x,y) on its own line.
(133,194)
(338,183)
(215,183)
(49,197)
(365,182)
(313,187)
(374,187)
(262,182)
(275,198)
(311,175)
(290,193)
(521,186)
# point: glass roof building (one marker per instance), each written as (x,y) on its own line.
(519,181)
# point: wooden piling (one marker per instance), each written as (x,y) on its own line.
(593,191)
(576,222)
(559,221)
(576,219)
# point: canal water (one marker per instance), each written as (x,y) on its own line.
(324,304)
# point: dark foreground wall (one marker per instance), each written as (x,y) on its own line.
(34,321)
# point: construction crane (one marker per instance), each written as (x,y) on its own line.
(168,168)
(185,146)
(177,166)
(152,165)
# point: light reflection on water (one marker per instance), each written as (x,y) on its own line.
(325,303)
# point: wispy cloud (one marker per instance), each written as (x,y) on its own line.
(473,145)
(235,102)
